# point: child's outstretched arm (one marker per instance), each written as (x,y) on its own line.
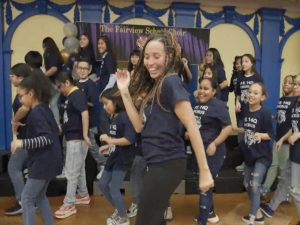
(30,143)
(115,141)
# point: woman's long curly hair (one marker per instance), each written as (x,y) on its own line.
(142,84)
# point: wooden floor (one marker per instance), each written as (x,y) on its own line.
(230,208)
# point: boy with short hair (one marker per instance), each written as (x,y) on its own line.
(75,126)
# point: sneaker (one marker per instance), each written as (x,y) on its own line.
(82,199)
(240,168)
(65,211)
(100,173)
(120,221)
(132,211)
(265,208)
(113,216)
(260,220)
(213,217)
(168,215)
(14,210)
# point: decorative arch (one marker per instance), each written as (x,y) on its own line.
(247,29)
(25,15)
(286,37)
(156,21)
(7,59)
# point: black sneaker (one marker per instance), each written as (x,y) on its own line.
(14,210)
(260,220)
(213,217)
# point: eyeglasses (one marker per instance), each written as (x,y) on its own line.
(83,68)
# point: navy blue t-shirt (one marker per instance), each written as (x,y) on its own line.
(45,162)
(74,105)
(243,85)
(51,60)
(283,117)
(162,136)
(259,121)
(234,81)
(221,76)
(22,129)
(295,149)
(121,157)
(88,87)
(107,67)
(211,117)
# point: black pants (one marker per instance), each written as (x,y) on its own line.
(159,183)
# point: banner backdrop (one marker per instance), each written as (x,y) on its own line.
(125,38)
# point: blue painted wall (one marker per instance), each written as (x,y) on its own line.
(2,93)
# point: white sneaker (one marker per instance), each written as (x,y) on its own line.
(120,221)
(168,215)
(240,168)
(132,211)
(109,220)
(100,173)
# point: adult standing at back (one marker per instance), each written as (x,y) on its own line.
(164,112)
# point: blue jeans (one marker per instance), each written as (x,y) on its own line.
(16,165)
(136,177)
(289,182)
(34,195)
(253,179)
(206,198)
(110,184)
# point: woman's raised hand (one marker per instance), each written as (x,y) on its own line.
(123,79)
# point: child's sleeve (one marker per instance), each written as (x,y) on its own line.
(267,124)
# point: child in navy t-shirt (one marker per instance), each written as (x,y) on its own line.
(289,181)
(45,159)
(257,133)
(214,123)
(283,118)
(88,87)
(75,127)
(121,148)
(17,162)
